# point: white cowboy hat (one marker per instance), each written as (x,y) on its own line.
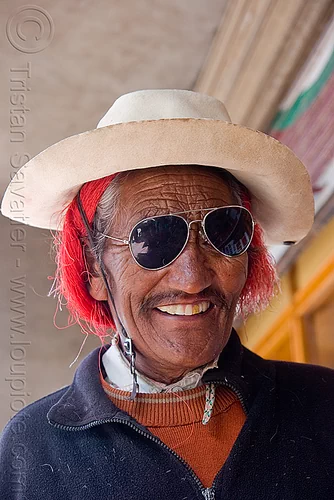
(151,128)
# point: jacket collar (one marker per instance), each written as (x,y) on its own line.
(85,404)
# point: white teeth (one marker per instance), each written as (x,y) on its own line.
(185,309)
(179,310)
(188,310)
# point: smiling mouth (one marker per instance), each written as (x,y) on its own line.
(186,309)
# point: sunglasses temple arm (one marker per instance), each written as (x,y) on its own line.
(125,242)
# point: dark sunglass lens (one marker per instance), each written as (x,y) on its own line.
(229,230)
(158,241)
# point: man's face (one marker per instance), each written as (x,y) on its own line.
(169,345)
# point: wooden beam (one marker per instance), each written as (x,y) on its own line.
(256,53)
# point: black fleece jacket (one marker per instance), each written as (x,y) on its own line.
(76,444)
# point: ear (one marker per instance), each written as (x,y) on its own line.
(95,285)
(97,288)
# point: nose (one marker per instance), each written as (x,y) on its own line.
(191,272)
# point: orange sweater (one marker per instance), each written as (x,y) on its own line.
(176,419)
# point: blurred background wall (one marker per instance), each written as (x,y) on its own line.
(270,61)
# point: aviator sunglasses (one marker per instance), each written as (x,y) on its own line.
(156,242)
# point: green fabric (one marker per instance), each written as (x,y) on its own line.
(288,117)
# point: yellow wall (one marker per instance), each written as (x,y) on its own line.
(257,325)
(310,280)
(315,255)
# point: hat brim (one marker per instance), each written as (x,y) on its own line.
(281,192)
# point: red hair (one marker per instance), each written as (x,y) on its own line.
(262,280)
(72,275)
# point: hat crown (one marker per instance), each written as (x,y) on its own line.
(162,104)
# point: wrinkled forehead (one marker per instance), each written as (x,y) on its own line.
(169,189)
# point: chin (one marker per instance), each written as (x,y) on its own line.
(190,359)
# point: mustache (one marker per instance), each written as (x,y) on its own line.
(171,297)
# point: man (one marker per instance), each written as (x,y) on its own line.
(162,213)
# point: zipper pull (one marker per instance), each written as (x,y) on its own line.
(208,494)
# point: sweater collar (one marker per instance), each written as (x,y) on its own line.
(85,404)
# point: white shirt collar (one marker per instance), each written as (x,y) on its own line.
(118,375)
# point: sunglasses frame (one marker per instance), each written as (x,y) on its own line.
(203,233)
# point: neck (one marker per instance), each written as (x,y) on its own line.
(165,375)
(157,370)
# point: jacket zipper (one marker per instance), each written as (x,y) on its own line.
(208,493)
(236,391)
